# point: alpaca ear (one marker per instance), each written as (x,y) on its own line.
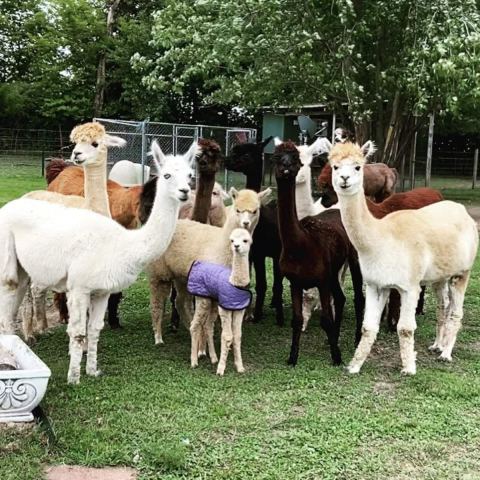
(113,141)
(265,142)
(158,156)
(277,141)
(320,145)
(224,194)
(192,153)
(233,192)
(368,149)
(339,135)
(263,196)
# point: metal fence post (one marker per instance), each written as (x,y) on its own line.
(428,170)
(475,168)
(144,147)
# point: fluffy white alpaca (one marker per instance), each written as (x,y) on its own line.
(203,323)
(85,254)
(90,152)
(406,249)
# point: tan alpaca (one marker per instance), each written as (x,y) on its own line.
(90,152)
(434,245)
(203,323)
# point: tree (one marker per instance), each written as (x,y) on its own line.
(383,65)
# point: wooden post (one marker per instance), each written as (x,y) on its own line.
(413,153)
(402,173)
(428,168)
(334,126)
(475,168)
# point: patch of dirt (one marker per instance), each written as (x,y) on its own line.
(73,472)
(53,317)
(384,388)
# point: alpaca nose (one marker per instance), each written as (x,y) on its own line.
(345,177)
(237,247)
(184,190)
(76,154)
(246,223)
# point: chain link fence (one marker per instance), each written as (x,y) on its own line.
(173,139)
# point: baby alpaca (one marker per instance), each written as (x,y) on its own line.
(228,287)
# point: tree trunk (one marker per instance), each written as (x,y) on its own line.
(101,69)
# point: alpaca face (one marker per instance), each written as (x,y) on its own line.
(246,157)
(90,151)
(219,195)
(210,157)
(287,160)
(175,172)
(240,241)
(246,205)
(347,161)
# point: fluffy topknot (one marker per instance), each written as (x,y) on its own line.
(285,147)
(87,132)
(342,151)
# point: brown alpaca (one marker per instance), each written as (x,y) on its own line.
(379,183)
(314,251)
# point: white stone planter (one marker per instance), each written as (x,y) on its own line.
(21,390)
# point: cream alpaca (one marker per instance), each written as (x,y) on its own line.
(90,152)
(85,254)
(203,322)
(196,241)
(435,245)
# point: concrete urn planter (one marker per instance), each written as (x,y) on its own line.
(23,380)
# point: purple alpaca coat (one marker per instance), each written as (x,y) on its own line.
(211,280)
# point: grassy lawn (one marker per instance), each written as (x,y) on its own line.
(152,412)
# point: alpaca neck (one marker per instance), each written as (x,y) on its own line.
(291,232)
(221,250)
(240,276)
(150,242)
(361,226)
(254,179)
(96,186)
(303,198)
(203,197)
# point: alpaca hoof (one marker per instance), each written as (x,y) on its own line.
(241,369)
(352,369)
(115,326)
(292,361)
(336,362)
(73,380)
(445,358)
(158,341)
(213,360)
(202,353)
(93,372)
(194,364)
(30,341)
(409,370)
(220,371)
(435,348)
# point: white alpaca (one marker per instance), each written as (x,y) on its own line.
(232,303)
(85,254)
(406,249)
(90,152)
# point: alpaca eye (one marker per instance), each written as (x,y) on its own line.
(245,241)
(94,144)
(214,193)
(166,176)
(254,212)
(238,211)
(335,167)
(357,168)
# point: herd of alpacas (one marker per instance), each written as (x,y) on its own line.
(86,238)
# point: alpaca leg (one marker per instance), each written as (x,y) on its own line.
(60,301)
(277,298)
(406,330)
(358,297)
(393,310)
(339,304)
(209,332)
(227,337)
(237,339)
(175,317)
(457,288)
(310,301)
(421,302)
(202,310)
(441,291)
(328,323)
(374,304)
(39,302)
(184,302)
(260,288)
(28,315)
(297,323)
(11,297)
(159,292)
(78,303)
(98,306)
(113,302)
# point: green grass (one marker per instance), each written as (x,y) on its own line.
(152,412)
